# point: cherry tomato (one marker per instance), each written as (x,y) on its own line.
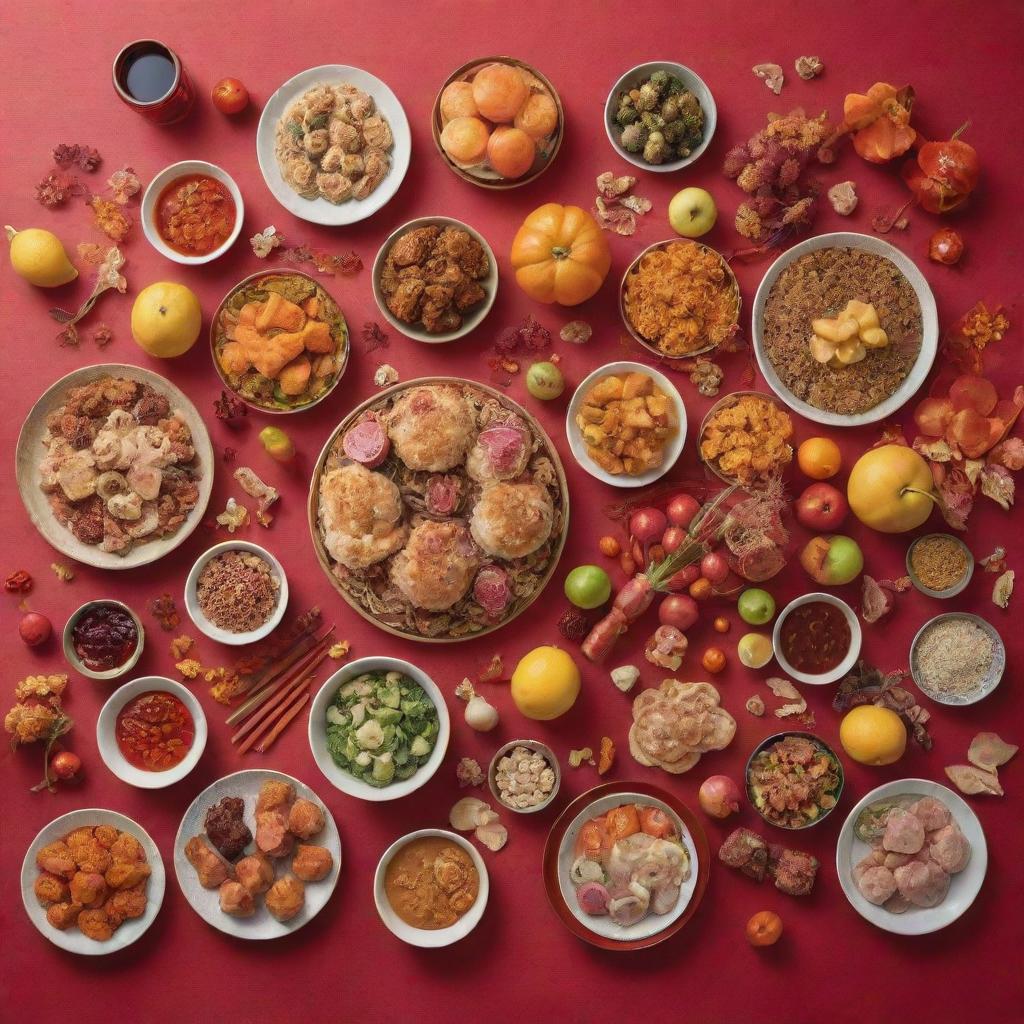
(721,624)
(713,660)
(672,538)
(945,246)
(764,929)
(65,765)
(714,566)
(681,510)
(230,96)
(700,589)
(609,547)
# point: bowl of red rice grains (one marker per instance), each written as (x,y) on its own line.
(236,593)
(957,658)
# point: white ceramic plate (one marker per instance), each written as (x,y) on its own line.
(605,926)
(156,187)
(673,449)
(106,733)
(206,902)
(213,631)
(424,937)
(73,940)
(319,210)
(472,318)
(631,80)
(929,328)
(963,888)
(30,450)
(338,777)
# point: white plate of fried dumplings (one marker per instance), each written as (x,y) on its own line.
(265,862)
(66,859)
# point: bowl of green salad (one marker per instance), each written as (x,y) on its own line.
(379,728)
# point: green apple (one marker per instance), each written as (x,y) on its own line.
(692,212)
(832,561)
(756,606)
(588,586)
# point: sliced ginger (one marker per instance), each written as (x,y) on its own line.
(845,339)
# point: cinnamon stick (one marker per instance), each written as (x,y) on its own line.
(267,712)
(282,724)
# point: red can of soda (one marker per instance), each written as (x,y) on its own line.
(150,78)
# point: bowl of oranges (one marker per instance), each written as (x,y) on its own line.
(497,122)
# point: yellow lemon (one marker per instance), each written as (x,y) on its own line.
(755,650)
(39,257)
(166,319)
(873,735)
(545,684)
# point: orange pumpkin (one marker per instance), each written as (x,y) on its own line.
(560,255)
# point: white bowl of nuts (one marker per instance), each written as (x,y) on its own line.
(524,776)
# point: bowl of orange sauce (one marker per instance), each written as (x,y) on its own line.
(192,212)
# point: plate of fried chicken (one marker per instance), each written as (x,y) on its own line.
(257,854)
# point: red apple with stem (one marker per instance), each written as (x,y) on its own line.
(822,507)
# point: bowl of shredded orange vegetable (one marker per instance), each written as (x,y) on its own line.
(679,298)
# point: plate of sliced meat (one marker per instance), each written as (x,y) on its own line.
(911,857)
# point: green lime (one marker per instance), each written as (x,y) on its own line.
(588,586)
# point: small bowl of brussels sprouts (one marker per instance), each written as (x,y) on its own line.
(379,728)
(660,116)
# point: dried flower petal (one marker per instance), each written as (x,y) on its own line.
(102,335)
(469,773)
(234,516)
(606,757)
(265,242)
(638,204)
(997,484)
(385,375)
(576,331)
(165,611)
(578,757)
(614,217)
(57,188)
(19,582)
(875,601)
(374,337)
(809,67)
(1002,591)
(77,155)
(755,705)
(68,338)
(843,197)
(611,187)
(339,650)
(988,752)
(110,218)
(123,184)
(189,668)
(771,74)
(974,781)
(181,645)
(229,407)
(91,252)
(256,488)
(995,562)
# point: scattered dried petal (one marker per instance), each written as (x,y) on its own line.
(755,705)
(91,252)
(57,188)
(468,813)
(638,204)
(385,375)
(771,74)
(234,516)
(625,677)
(228,454)
(123,184)
(1002,591)
(843,197)
(578,757)
(110,218)
(576,331)
(469,773)
(615,217)
(611,187)
(493,835)
(875,601)
(374,337)
(809,67)
(181,645)
(606,758)
(102,335)
(997,484)
(995,562)
(77,155)
(256,488)
(189,668)
(988,752)
(339,650)
(165,611)
(63,572)
(974,781)
(492,671)
(229,407)
(19,582)
(265,242)
(573,626)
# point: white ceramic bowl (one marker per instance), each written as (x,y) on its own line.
(630,80)
(957,587)
(152,195)
(995,673)
(964,886)
(73,940)
(605,926)
(538,748)
(673,449)
(471,319)
(319,210)
(430,938)
(67,641)
(929,327)
(106,733)
(341,779)
(214,632)
(844,667)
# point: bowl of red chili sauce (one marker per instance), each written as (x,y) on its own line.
(151,732)
(103,639)
(817,639)
(192,212)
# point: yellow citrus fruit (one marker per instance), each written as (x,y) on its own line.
(166,319)
(545,684)
(39,257)
(755,650)
(873,735)
(819,458)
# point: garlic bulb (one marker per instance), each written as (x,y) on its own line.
(480,714)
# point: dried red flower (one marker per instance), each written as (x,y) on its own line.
(77,155)
(229,407)
(374,337)
(573,626)
(165,611)
(19,582)
(57,188)
(102,335)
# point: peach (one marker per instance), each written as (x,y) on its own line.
(464,139)
(510,151)
(538,116)
(499,91)
(457,101)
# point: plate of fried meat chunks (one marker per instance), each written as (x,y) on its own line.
(257,854)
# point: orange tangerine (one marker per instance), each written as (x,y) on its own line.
(457,101)
(464,139)
(538,116)
(819,458)
(510,151)
(499,91)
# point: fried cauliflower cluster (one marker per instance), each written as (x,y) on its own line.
(748,441)
(37,715)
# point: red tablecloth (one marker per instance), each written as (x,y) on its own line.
(963,59)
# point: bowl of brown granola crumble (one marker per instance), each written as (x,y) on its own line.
(822,278)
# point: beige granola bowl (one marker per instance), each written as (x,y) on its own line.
(29,452)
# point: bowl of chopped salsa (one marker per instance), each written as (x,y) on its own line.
(151,732)
(103,639)
(192,212)
(817,639)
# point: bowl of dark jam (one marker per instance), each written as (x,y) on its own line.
(103,639)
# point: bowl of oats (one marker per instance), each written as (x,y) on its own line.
(957,658)
(524,776)
(845,328)
(236,593)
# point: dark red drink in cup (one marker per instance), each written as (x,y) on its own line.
(151,79)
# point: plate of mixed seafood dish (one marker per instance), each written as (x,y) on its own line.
(845,328)
(114,466)
(257,854)
(333,144)
(911,857)
(626,865)
(92,881)
(439,509)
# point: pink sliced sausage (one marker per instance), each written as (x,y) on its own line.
(367,443)
(491,589)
